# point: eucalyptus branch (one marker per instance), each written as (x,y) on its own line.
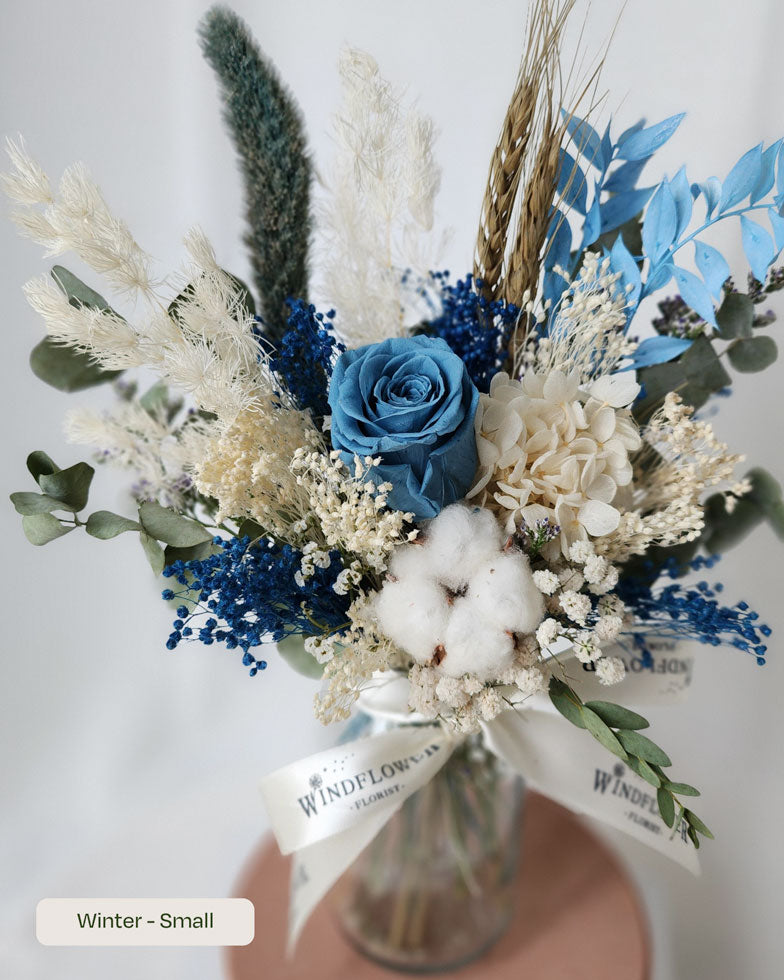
(617,729)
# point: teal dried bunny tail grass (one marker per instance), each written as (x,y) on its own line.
(267,128)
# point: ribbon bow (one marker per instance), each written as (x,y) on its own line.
(328,807)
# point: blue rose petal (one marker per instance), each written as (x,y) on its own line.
(410,401)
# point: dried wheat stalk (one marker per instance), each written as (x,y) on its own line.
(533,95)
(506,168)
(522,184)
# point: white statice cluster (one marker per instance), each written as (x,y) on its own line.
(680,459)
(551,448)
(589,625)
(350,511)
(378,216)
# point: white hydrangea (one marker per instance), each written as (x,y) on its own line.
(610,670)
(457,599)
(551,449)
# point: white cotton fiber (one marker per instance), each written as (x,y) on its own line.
(408,561)
(413,613)
(503,592)
(461,592)
(458,541)
(474,646)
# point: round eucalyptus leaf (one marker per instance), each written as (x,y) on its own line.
(752,354)
(171,528)
(104,524)
(42,528)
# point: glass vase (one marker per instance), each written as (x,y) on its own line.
(436,887)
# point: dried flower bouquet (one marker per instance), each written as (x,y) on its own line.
(490,487)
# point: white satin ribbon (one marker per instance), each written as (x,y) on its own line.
(328,807)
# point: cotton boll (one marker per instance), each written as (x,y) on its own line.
(503,592)
(474,646)
(413,613)
(408,561)
(458,541)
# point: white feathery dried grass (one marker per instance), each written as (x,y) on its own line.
(76,219)
(28,183)
(161,453)
(377,216)
(105,336)
(207,347)
(208,352)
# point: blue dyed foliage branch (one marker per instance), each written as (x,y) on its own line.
(754,184)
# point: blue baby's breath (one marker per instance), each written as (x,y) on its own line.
(246,594)
(477,329)
(304,356)
(690,612)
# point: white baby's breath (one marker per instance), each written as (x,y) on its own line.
(680,459)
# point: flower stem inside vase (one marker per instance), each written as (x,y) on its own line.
(435,888)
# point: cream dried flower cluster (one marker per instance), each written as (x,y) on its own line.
(247,468)
(553,449)
(586,335)
(680,459)
(589,624)
(351,658)
(463,703)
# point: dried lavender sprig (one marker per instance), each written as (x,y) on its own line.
(533,537)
